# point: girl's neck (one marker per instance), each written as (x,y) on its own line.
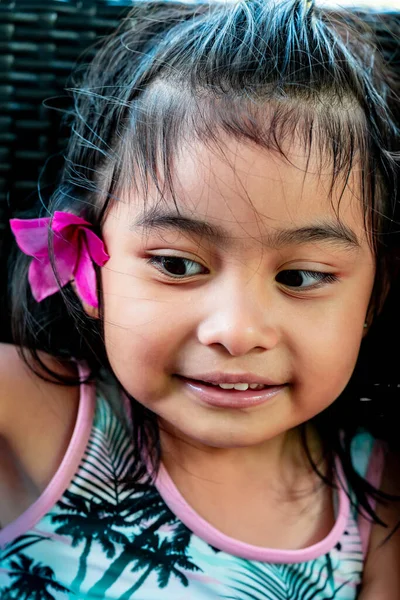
(280,463)
(266,496)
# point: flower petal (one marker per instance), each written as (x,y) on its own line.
(66,254)
(61,220)
(74,245)
(41,275)
(42,280)
(96,247)
(85,276)
(31,235)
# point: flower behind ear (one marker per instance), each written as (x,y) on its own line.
(75,246)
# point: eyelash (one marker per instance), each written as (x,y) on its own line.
(320,277)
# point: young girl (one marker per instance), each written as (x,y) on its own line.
(190,308)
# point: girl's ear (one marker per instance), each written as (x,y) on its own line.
(91,311)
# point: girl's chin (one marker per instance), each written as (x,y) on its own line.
(217,433)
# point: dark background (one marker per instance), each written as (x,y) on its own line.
(40,43)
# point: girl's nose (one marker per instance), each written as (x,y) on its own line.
(240,322)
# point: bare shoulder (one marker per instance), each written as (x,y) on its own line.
(22,391)
(36,416)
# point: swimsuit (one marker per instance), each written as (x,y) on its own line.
(91,536)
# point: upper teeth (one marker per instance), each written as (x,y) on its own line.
(240,386)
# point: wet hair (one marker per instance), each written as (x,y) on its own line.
(263,72)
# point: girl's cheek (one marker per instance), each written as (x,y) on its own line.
(326,345)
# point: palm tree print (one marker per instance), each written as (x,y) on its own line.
(103,504)
(31,581)
(148,553)
(303,581)
(87,521)
(165,560)
(152,512)
(20,543)
(99,501)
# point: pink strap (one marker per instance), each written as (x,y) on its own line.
(204,530)
(66,470)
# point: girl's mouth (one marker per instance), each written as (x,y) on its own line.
(240,387)
(239,395)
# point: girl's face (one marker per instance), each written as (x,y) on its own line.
(260,281)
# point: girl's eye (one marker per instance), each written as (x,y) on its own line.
(176,266)
(305,279)
(179,268)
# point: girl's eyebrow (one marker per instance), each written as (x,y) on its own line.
(329,230)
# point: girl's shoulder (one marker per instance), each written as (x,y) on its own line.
(37,418)
(24,394)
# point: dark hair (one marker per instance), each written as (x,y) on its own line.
(170,72)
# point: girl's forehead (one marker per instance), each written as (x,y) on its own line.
(245,189)
(247,178)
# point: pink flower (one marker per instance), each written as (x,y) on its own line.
(75,247)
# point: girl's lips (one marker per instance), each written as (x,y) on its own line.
(216,396)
